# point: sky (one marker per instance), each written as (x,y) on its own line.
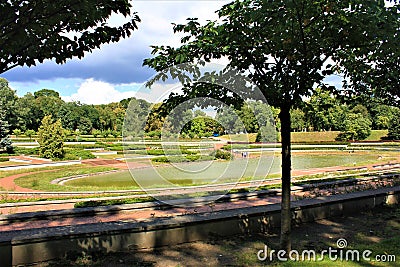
(115,71)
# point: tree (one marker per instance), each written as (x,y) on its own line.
(324,111)
(17,132)
(96,133)
(380,115)
(394,126)
(32,31)
(29,113)
(30,133)
(199,113)
(115,133)
(46,93)
(286,47)
(49,103)
(227,118)
(85,125)
(70,114)
(202,126)
(5,142)
(356,127)
(8,100)
(105,133)
(51,136)
(298,119)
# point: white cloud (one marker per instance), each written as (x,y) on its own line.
(98,92)
(158,92)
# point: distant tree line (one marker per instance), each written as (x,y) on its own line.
(321,112)
(25,114)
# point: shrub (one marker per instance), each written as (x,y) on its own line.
(3,159)
(83,146)
(161,160)
(76,154)
(97,203)
(220,154)
(26,151)
(192,157)
(177,159)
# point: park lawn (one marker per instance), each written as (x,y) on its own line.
(12,163)
(251,137)
(42,180)
(377,135)
(4,174)
(313,137)
(199,173)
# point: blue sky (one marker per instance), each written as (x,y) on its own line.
(114,71)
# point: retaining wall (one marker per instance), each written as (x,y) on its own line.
(33,245)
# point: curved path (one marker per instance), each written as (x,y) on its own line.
(8,182)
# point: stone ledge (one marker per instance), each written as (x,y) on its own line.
(33,245)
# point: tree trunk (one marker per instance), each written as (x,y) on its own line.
(286,177)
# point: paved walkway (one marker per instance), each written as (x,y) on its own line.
(136,214)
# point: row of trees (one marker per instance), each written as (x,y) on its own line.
(321,112)
(26,113)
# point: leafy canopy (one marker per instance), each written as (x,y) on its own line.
(289,47)
(32,31)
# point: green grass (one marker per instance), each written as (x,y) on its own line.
(12,163)
(110,202)
(312,137)
(4,174)
(42,181)
(199,173)
(251,137)
(376,135)
(4,198)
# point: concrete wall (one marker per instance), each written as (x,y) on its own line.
(34,245)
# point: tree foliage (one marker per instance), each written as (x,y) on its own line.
(32,31)
(30,133)
(286,48)
(394,126)
(8,99)
(51,138)
(5,142)
(356,127)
